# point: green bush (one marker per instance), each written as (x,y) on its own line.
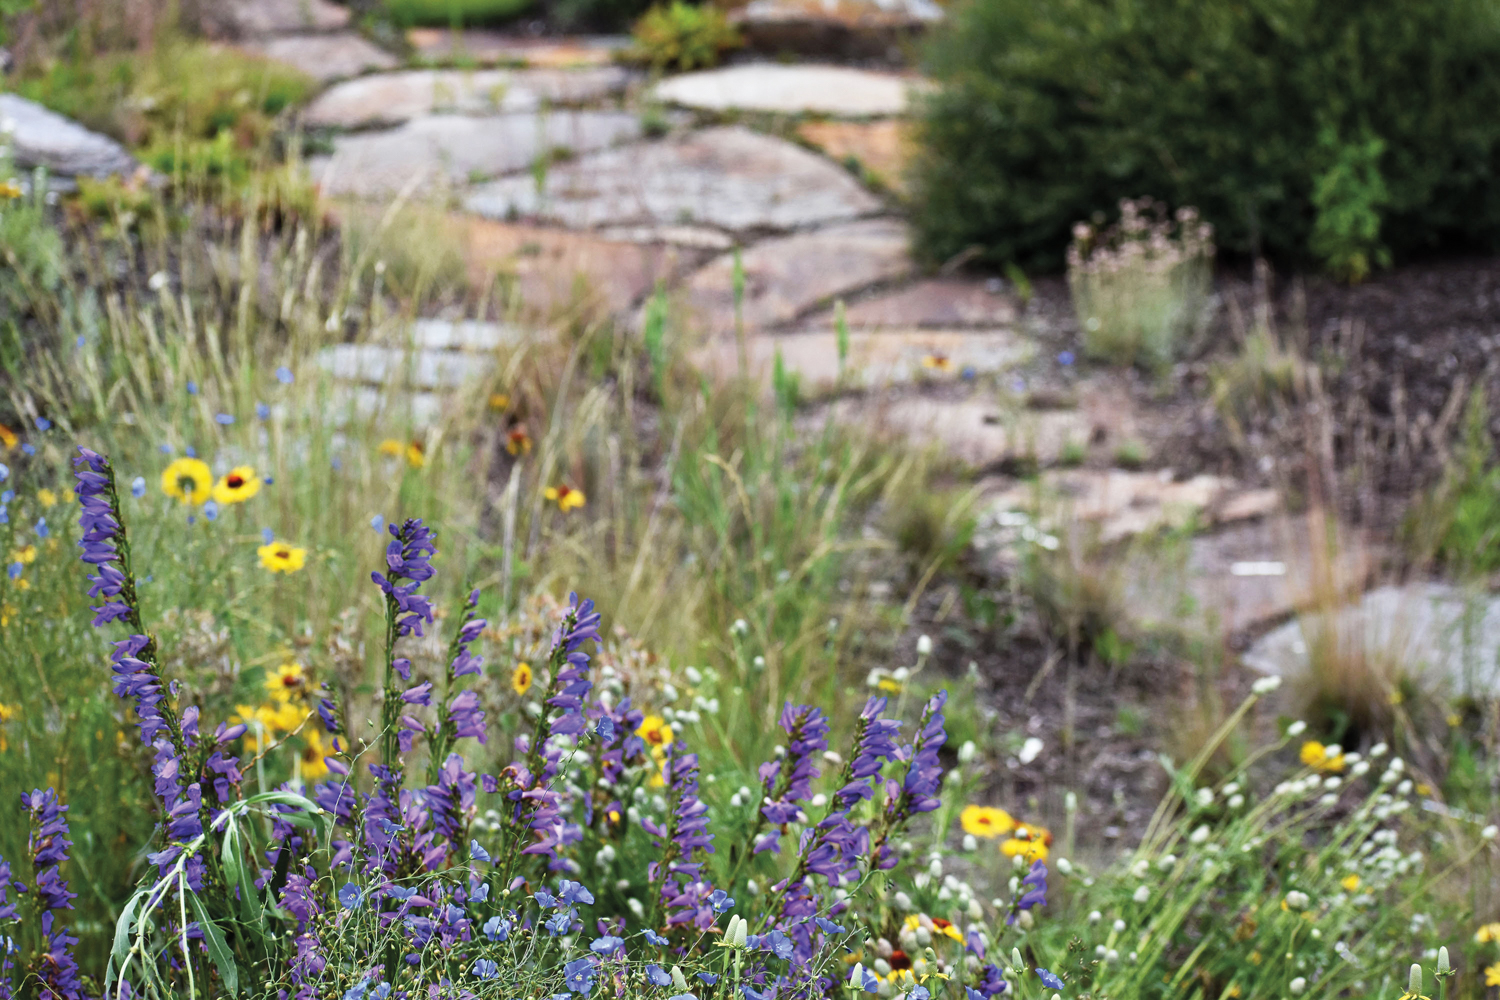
(683,37)
(1052,110)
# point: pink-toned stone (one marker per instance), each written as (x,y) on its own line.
(283,17)
(882,148)
(555,273)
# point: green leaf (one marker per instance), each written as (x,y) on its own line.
(121,948)
(218,948)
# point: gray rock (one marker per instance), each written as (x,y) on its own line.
(282,17)
(392,98)
(325,57)
(422,369)
(490,47)
(453,150)
(729,178)
(363,402)
(787,276)
(42,138)
(935,302)
(1445,638)
(466,335)
(806,89)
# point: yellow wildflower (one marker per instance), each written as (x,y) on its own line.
(8,438)
(1350,882)
(655,731)
(25,554)
(1031,850)
(1316,756)
(313,766)
(188,480)
(889,684)
(237,485)
(279,557)
(517,441)
(937,362)
(565,497)
(986,821)
(8,712)
(1488,933)
(416,454)
(499,401)
(940,925)
(392,447)
(520,678)
(46,497)
(1492,975)
(287,681)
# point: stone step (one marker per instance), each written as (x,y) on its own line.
(490,47)
(393,98)
(726,178)
(324,57)
(875,360)
(787,276)
(839,91)
(451,151)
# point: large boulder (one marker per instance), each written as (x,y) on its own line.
(37,137)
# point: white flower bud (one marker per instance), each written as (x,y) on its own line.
(1490,832)
(1064,866)
(678,979)
(1199,835)
(1095,916)
(1297,728)
(967,751)
(1297,986)
(1141,894)
(1414,980)
(1119,926)
(1266,685)
(1030,750)
(1297,900)
(1443,965)
(924,645)
(902,901)
(970,842)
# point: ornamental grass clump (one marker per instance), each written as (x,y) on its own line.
(1142,285)
(575,855)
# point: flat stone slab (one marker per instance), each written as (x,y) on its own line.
(1123,503)
(1243,576)
(464,335)
(392,98)
(325,57)
(792,90)
(490,47)
(932,302)
(364,402)
(43,138)
(697,237)
(455,150)
(970,429)
(284,17)
(1445,636)
(881,148)
(424,369)
(557,274)
(729,178)
(874,360)
(788,276)
(843,28)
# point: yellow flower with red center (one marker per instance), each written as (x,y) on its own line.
(280,557)
(655,731)
(940,925)
(986,821)
(517,441)
(1315,755)
(188,480)
(520,678)
(565,496)
(937,362)
(416,454)
(237,485)
(8,438)
(288,681)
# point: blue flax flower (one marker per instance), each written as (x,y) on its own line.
(1049,980)
(497,928)
(138,487)
(477,852)
(606,945)
(486,969)
(578,976)
(262,411)
(658,976)
(284,375)
(657,939)
(224,419)
(350,896)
